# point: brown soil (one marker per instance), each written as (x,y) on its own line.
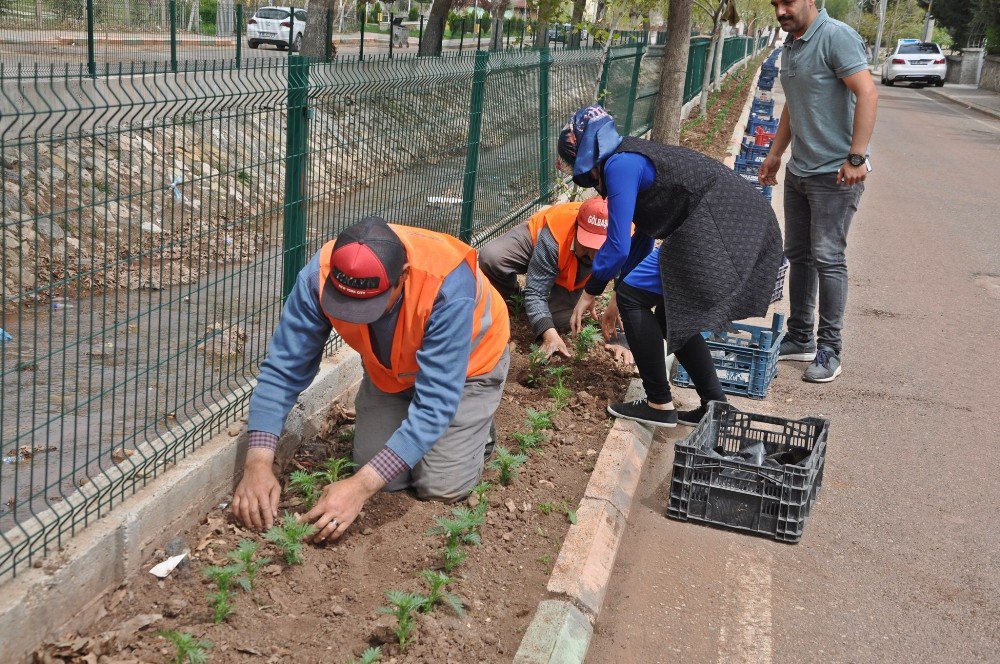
(710,133)
(325,610)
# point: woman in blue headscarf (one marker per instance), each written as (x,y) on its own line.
(718,261)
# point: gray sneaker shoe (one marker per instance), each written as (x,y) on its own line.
(793,350)
(824,368)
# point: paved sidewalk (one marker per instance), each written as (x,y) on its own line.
(985,101)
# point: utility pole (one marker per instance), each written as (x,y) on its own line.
(881,27)
(929,23)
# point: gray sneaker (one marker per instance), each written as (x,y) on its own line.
(824,368)
(793,350)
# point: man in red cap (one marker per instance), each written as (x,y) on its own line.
(432,334)
(554,249)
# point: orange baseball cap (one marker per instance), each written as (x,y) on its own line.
(592,223)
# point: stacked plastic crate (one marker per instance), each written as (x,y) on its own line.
(761,127)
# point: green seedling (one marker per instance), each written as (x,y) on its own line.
(461,529)
(306,485)
(585,340)
(437,592)
(243,556)
(516,304)
(188,649)
(536,366)
(546,508)
(403,606)
(545,559)
(559,373)
(539,420)
(561,394)
(224,577)
(506,464)
(288,537)
(528,440)
(481,489)
(335,469)
(453,555)
(369,656)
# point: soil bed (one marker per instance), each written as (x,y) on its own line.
(325,610)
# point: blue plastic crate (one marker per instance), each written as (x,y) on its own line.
(754,154)
(766,83)
(746,169)
(770,125)
(779,285)
(762,108)
(764,191)
(746,358)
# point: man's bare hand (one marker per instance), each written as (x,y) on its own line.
(849,174)
(767,173)
(340,503)
(553,343)
(611,320)
(586,304)
(255,502)
(621,354)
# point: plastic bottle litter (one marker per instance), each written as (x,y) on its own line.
(4,336)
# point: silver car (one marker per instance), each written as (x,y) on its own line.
(915,61)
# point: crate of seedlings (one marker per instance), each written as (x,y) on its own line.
(745,357)
(755,473)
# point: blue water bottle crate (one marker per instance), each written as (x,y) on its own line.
(754,154)
(717,480)
(770,125)
(745,357)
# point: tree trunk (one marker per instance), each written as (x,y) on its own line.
(576,22)
(667,119)
(497,25)
(706,80)
(434,29)
(719,50)
(315,35)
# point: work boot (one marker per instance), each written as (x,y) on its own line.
(640,411)
(490,442)
(793,350)
(824,368)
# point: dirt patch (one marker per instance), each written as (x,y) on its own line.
(326,610)
(710,133)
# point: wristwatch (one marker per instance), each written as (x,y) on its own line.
(856,159)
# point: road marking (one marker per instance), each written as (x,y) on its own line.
(968,113)
(746,633)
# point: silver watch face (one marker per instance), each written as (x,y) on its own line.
(856,160)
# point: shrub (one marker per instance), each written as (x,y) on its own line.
(414,15)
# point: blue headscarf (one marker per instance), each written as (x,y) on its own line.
(586,142)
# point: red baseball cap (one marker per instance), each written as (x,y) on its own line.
(592,223)
(367,261)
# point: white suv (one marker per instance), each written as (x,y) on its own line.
(274,25)
(914,60)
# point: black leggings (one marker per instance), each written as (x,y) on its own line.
(645,329)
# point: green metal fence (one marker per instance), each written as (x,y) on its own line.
(152,222)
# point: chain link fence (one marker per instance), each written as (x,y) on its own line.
(153,222)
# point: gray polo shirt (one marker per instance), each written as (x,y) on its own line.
(820,106)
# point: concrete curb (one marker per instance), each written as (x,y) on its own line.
(940,92)
(561,629)
(741,124)
(65,594)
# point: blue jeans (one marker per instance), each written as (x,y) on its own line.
(818,213)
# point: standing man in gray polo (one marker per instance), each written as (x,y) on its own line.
(828,118)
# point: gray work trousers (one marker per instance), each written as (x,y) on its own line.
(818,214)
(508,256)
(454,465)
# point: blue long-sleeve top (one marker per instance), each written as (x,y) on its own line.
(646,275)
(626,175)
(295,351)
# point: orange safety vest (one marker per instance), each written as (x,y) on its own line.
(432,257)
(561,222)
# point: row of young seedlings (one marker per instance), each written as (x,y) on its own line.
(463,527)
(288,537)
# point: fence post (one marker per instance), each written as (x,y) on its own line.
(461,39)
(391,35)
(544,159)
(91,56)
(173,35)
(361,44)
(420,38)
(239,35)
(633,91)
(296,156)
(472,152)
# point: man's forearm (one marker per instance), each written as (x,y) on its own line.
(864,121)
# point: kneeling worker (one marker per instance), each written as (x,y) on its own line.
(432,334)
(555,249)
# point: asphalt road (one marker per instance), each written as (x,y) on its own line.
(900,558)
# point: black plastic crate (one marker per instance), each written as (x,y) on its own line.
(767,500)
